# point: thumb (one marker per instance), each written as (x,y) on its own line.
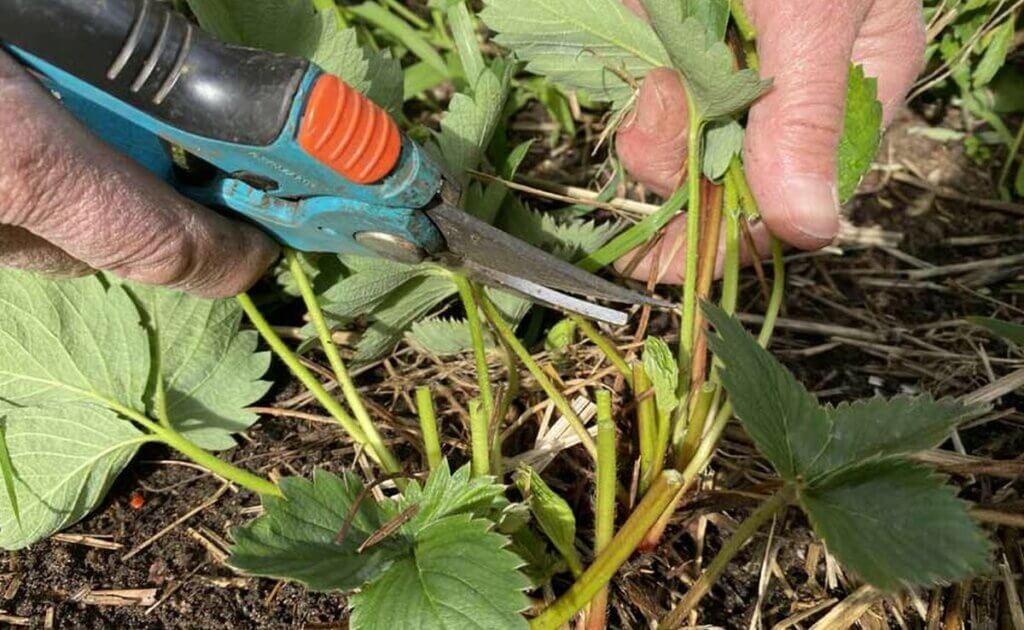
(794,131)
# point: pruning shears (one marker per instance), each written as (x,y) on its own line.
(294,149)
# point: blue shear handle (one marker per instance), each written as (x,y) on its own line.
(301,201)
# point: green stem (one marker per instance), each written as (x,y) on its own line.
(479,429)
(404,11)
(606,346)
(698,419)
(162,413)
(604,527)
(348,387)
(707,446)
(1004,174)
(510,395)
(743,23)
(604,519)
(204,458)
(747,202)
(771,313)
(746,530)
(689,307)
(302,373)
(561,403)
(693,469)
(647,425)
(428,425)
(512,389)
(614,556)
(636,235)
(476,333)
(661,441)
(731,266)
(331,5)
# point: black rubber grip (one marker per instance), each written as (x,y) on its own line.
(145,54)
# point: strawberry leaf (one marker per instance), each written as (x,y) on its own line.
(895,523)
(65,457)
(713,14)
(886,518)
(781,416)
(862,131)
(553,514)
(7,471)
(456,575)
(367,285)
(446,493)
(805,440)
(210,368)
(469,124)
(663,370)
(296,538)
(597,46)
(69,341)
(878,427)
(723,140)
(444,336)
(416,573)
(715,88)
(393,316)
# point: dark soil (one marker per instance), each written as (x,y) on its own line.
(919,344)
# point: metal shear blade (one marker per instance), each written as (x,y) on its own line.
(498,259)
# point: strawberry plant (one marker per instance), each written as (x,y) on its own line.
(93,369)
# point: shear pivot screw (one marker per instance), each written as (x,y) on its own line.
(392,247)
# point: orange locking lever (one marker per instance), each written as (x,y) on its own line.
(348,132)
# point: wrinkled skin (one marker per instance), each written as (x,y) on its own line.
(805,47)
(70,203)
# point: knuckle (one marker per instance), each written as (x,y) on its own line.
(167,258)
(810,123)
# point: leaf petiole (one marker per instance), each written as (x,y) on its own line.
(605,345)
(302,373)
(604,518)
(352,397)
(689,306)
(204,458)
(506,333)
(771,313)
(647,425)
(637,234)
(476,333)
(428,425)
(7,471)
(479,432)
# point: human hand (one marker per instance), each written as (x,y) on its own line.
(805,47)
(70,203)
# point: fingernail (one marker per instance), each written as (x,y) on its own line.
(813,206)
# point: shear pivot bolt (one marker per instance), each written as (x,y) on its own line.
(392,247)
